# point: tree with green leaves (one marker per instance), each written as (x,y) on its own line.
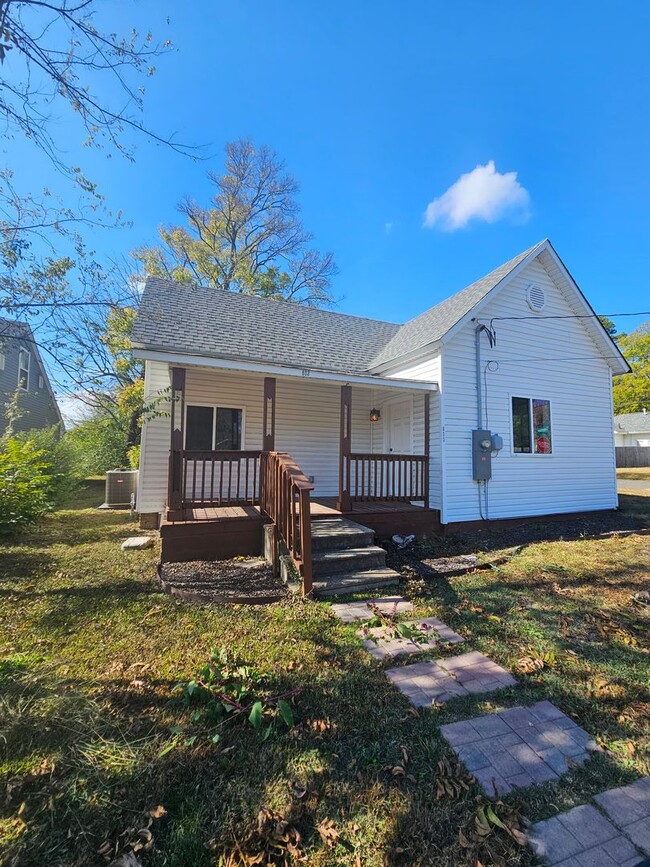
(632,391)
(249,238)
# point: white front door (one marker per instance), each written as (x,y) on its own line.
(400,437)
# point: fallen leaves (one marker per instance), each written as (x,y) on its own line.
(122,851)
(452,780)
(328,833)
(274,840)
(535,660)
(493,834)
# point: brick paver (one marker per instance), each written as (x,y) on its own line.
(629,808)
(519,747)
(435,631)
(351,611)
(442,679)
(584,837)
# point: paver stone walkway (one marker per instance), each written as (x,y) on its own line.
(426,682)
(519,747)
(382,646)
(584,837)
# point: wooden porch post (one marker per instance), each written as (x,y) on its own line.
(175,498)
(345,448)
(268,432)
(427,446)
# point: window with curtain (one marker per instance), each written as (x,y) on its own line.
(531,426)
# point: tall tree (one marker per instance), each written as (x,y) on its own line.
(55,53)
(250,237)
(632,391)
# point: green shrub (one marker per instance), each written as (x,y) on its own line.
(100,444)
(133,454)
(62,459)
(25,484)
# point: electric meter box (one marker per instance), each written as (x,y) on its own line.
(482,455)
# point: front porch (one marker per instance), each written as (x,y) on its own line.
(219,499)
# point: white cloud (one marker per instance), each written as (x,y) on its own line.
(482,194)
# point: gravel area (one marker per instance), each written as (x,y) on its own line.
(241,580)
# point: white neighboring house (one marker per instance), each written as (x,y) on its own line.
(380,416)
(632,429)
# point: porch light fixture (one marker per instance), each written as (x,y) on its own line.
(375,414)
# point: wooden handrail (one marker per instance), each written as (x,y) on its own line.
(370,477)
(221,478)
(285,497)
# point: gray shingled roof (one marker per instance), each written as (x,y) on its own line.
(632,422)
(183,318)
(436,322)
(179,317)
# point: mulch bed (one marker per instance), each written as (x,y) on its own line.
(456,554)
(242,580)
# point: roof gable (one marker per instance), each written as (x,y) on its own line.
(435,323)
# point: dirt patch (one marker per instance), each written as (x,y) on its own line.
(244,580)
(492,545)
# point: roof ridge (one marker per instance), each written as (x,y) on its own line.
(259,298)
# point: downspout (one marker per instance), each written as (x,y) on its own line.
(479,405)
(479,395)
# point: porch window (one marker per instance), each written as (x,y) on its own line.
(23,369)
(531,426)
(208,428)
(228,429)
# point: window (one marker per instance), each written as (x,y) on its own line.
(23,369)
(41,382)
(531,426)
(2,361)
(208,428)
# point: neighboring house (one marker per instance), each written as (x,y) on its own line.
(377,417)
(632,429)
(22,371)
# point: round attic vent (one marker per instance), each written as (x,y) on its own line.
(536,298)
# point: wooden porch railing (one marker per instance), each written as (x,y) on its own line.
(401,478)
(221,478)
(285,497)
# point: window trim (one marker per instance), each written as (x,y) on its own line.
(532,453)
(214,407)
(22,349)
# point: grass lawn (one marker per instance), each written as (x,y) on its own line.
(90,652)
(641,473)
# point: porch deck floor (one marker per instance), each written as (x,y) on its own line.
(322,507)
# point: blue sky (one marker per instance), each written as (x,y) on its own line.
(379,108)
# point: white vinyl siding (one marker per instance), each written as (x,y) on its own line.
(553,359)
(156,435)
(428,371)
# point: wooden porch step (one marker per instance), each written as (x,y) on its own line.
(335,534)
(348,560)
(354,582)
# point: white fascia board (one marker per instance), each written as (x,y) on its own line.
(278,370)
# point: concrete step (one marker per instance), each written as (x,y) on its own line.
(354,582)
(334,534)
(348,560)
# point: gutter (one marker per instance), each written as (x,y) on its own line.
(278,370)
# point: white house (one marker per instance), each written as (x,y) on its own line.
(476,410)
(632,429)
